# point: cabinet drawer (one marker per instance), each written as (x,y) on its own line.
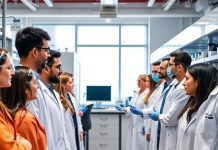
(105,126)
(103,145)
(104,118)
(106,134)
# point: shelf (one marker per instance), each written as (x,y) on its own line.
(193,39)
(202,60)
(213,58)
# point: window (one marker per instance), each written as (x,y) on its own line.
(99,66)
(98,35)
(132,65)
(57,32)
(129,34)
(104,50)
(104,55)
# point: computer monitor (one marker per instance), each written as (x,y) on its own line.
(98,93)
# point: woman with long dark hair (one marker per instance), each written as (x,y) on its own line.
(9,139)
(201,79)
(16,98)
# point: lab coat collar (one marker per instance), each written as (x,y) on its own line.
(180,84)
(171,84)
(143,93)
(47,91)
(191,121)
(215,91)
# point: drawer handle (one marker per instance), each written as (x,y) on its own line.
(103,145)
(103,125)
(103,119)
(103,133)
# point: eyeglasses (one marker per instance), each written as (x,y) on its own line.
(59,67)
(46,49)
(172,64)
(162,68)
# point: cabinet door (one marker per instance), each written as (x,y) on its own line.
(124,129)
(105,119)
(104,134)
(103,145)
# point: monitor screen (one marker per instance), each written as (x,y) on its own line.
(98,93)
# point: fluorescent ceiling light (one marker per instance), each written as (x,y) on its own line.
(29,4)
(49,3)
(109,2)
(151,3)
(169,4)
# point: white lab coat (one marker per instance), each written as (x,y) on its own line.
(206,133)
(56,112)
(152,103)
(70,129)
(76,107)
(135,137)
(153,144)
(169,118)
(186,133)
(39,109)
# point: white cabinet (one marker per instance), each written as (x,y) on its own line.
(124,131)
(104,134)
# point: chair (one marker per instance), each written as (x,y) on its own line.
(87,125)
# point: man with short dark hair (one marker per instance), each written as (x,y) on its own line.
(32,47)
(157,130)
(33,50)
(49,76)
(174,103)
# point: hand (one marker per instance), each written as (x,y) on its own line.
(24,141)
(81,136)
(154,115)
(80,113)
(119,108)
(148,137)
(131,106)
(136,111)
(83,109)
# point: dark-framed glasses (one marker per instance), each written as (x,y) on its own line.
(59,67)
(172,64)
(45,49)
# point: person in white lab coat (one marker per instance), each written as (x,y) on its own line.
(32,47)
(197,127)
(158,130)
(177,66)
(65,88)
(163,92)
(50,75)
(136,132)
(152,102)
(68,113)
(151,85)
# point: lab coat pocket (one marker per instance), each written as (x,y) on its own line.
(209,121)
(141,128)
(171,137)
